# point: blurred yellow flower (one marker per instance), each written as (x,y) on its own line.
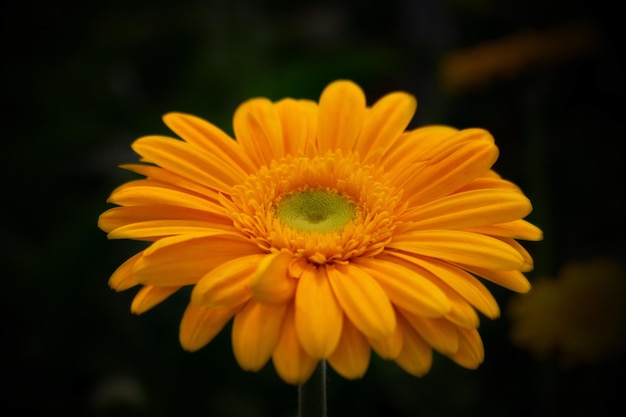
(579,316)
(324,231)
(506,58)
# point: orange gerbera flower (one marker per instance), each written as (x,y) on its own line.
(324,231)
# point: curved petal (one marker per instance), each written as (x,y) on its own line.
(256,330)
(190,162)
(205,135)
(152,193)
(200,325)
(319,318)
(299,125)
(460,281)
(384,123)
(451,170)
(290,360)
(341,114)
(438,333)
(183,260)
(271,282)
(390,347)
(404,286)
(258,130)
(416,356)
(512,280)
(150,296)
(468,209)
(123,277)
(471,352)
(227,285)
(352,356)
(459,247)
(121,216)
(517,229)
(153,229)
(363,300)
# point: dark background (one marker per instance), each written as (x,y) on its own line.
(82,80)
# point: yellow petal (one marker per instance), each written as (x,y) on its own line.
(469,209)
(390,347)
(122,216)
(256,330)
(363,301)
(352,356)
(147,193)
(200,325)
(290,360)
(451,170)
(318,317)
(149,296)
(150,230)
(460,281)
(159,175)
(123,277)
(258,130)
(183,260)
(227,285)
(205,135)
(438,333)
(471,352)
(189,161)
(384,123)
(512,280)
(517,229)
(416,357)
(459,247)
(271,282)
(299,125)
(405,288)
(341,114)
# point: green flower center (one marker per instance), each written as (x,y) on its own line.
(315,211)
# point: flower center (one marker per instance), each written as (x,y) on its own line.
(315,210)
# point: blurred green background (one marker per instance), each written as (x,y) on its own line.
(83,80)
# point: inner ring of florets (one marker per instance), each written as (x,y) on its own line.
(324,209)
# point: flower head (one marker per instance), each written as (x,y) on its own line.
(324,231)
(579,316)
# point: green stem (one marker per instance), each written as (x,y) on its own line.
(312,394)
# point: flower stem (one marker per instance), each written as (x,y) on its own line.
(312,394)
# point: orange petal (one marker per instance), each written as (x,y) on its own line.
(150,296)
(352,356)
(384,123)
(405,287)
(363,300)
(469,209)
(341,114)
(416,357)
(438,333)
(258,130)
(183,260)
(517,229)
(318,318)
(226,285)
(290,360)
(200,325)
(205,135)
(189,162)
(471,352)
(271,282)
(256,330)
(459,247)
(152,229)
(390,347)
(123,277)
(299,125)
(512,280)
